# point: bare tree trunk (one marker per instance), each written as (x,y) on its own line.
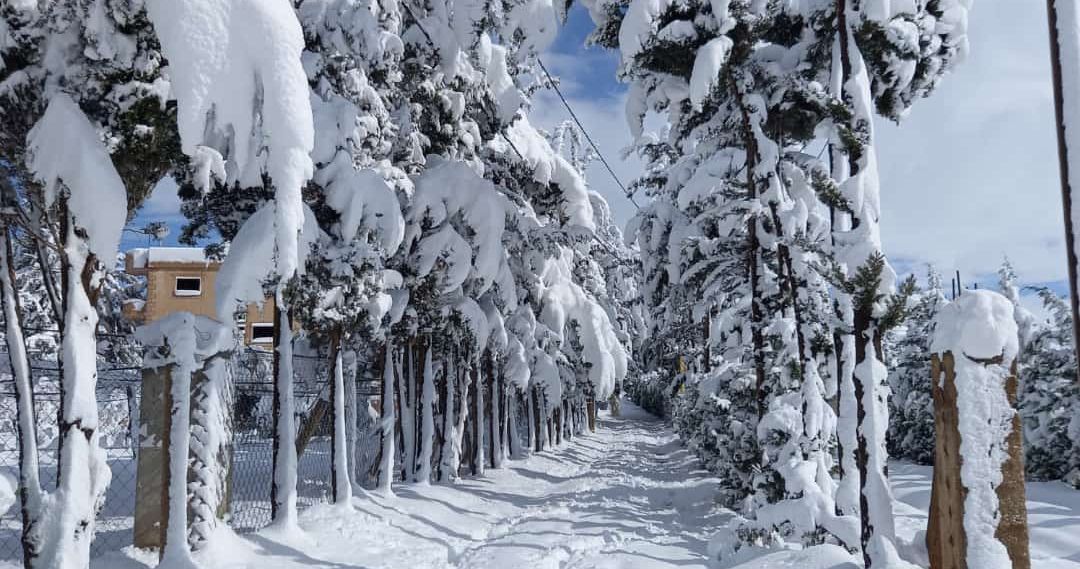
(30,492)
(283,488)
(753,244)
(340,481)
(82,470)
(1064,167)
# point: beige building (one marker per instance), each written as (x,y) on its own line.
(183,279)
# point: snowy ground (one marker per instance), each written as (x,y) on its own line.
(1053,515)
(627,496)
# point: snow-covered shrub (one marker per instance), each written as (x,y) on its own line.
(651,391)
(1050,397)
(911,407)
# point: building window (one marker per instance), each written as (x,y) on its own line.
(262,333)
(188,286)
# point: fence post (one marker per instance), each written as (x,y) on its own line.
(978,460)
(202,348)
(150,489)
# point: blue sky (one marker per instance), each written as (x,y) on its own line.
(968,177)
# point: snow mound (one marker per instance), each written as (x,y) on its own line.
(818,557)
(8,492)
(979,324)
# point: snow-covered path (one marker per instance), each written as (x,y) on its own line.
(627,496)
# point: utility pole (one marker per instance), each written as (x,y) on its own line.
(1065,11)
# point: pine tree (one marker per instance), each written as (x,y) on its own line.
(1049,397)
(911,406)
(62,104)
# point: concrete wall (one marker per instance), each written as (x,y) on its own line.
(162,298)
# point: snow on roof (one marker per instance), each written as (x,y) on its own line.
(142,258)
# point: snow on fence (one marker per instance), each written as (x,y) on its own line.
(118,395)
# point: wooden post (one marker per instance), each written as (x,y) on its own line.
(1057,75)
(209,464)
(946,538)
(151,492)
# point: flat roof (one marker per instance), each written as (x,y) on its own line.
(145,257)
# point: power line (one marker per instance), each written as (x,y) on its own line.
(569,109)
(573,115)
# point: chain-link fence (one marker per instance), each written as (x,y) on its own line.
(117,393)
(253,436)
(252,464)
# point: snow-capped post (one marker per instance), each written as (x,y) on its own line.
(1065,67)
(186,450)
(978,516)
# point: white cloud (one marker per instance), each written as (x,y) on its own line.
(603,117)
(163,201)
(971,175)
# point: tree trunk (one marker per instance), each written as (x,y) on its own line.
(753,244)
(513,441)
(427,419)
(538,421)
(406,394)
(1065,97)
(492,412)
(481,444)
(340,481)
(946,536)
(497,454)
(283,488)
(461,380)
(30,492)
(448,463)
(389,432)
(474,425)
(82,469)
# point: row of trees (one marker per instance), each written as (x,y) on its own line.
(763,268)
(369,166)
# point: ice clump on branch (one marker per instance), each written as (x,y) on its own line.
(66,152)
(232,62)
(564,303)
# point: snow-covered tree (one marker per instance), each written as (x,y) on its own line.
(911,406)
(86,136)
(1049,397)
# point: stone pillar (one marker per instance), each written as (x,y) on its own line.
(984,386)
